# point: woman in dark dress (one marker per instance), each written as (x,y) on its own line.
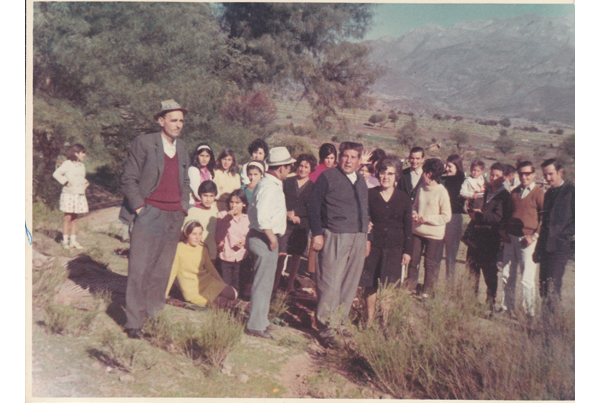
(452,181)
(390,238)
(294,241)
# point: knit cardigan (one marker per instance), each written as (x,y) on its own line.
(433,203)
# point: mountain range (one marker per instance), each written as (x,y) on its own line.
(522,67)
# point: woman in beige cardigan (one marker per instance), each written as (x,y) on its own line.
(431,212)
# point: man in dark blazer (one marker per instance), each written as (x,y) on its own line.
(155,184)
(411,177)
(557,231)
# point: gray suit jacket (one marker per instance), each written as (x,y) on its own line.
(143,170)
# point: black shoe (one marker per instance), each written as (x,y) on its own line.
(134,333)
(259,333)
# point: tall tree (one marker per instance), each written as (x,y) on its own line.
(306,44)
(100,71)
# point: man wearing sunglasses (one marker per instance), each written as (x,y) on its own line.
(520,234)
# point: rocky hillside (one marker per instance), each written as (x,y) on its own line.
(523,67)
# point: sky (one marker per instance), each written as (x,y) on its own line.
(396,19)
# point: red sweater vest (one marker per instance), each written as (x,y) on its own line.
(167,196)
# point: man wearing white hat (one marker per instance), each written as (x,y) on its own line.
(268,216)
(156,187)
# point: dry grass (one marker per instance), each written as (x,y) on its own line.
(444,349)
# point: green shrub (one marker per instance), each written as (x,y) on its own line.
(280,303)
(65,319)
(444,349)
(119,352)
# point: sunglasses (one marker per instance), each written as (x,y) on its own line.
(525,173)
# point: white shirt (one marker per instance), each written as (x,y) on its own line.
(170,149)
(352,177)
(527,189)
(267,208)
(415,176)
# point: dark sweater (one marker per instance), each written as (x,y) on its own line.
(392,221)
(524,219)
(296,198)
(452,185)
(558,220)
(167,196)
(337,205)
(405,184)
(485,227)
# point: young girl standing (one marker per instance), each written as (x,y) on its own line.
(198,279)
(202,169)
(232,228)
(71,174)
(226,177)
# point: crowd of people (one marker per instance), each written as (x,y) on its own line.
(361,220)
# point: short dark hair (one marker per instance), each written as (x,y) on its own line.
(435,167)
(308,158)
(498,166)
(377,155)
(188,228)
(509,169)
(390,161)
(228,152)
(456,160)
(417,150)
(241,194)
(75,149)
(326,150)
(369,167)
(477,163)
(525,164)
(257,144)
(208,187)
(552,161)
(350,145)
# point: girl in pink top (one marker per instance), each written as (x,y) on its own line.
(202,169)
(232,228)
(327,156)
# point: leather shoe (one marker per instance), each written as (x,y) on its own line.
(259,333)
(271,328)
(134,333)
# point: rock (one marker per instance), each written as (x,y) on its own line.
(108,369)
(126,378)
(226,371)
(386,396)
(243,378)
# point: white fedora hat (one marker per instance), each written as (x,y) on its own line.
(279,156)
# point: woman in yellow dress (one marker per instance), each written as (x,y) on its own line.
(198,279)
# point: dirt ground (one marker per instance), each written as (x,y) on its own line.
(63,367)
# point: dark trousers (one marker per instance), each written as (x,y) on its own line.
(431,263)
(484,262)
(552,269)
(153,246)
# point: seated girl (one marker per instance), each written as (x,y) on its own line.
(198,279)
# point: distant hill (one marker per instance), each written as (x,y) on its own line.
(523,67)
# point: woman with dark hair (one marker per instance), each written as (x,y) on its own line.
(327,157)
(430,213)
(294,241)
(226,177)
(452,181)
(390,238)
(202,169)
(258,150)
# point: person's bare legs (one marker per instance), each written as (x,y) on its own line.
(73,224)
(66,225)
(293,266)
(228,294)
(371,299)
(279,270)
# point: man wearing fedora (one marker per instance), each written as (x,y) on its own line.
(268,217)
(339,220)
(156,187)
